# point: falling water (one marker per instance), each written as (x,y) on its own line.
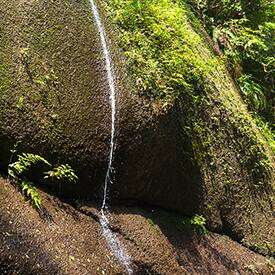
(111,239)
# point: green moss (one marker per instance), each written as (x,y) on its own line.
(5,79)
(171,63)
(168,60)
(160,47)
(266,131)
(153,225)
(5,76)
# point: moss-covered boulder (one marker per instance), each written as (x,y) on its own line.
(184,139)
(54,100)
(170,60)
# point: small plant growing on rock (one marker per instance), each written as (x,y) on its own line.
(18,172)
(62,172)
(199,222)
(25,161)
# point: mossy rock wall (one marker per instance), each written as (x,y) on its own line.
(171,61)
(54,99)
(184,140)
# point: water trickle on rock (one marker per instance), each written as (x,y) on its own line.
(114,244)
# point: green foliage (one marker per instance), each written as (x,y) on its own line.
(62,172)
(167,59)
(245,31)
(252,92)
(160,47)
(25,161)
(199,222)
(14,150)
(30,191)
(267,132)
(18,172)
(15,147)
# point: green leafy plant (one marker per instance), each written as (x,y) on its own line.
(30,191)
(252,92)
(14,150)
(62,172)
(267,132)
(18,172)
(199,222)
(243,31)
(25,161)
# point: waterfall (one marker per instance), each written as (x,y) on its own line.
(113,242)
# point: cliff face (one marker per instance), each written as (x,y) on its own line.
(184,140)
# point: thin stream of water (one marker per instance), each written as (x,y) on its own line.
(113,242)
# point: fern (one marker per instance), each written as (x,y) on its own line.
(25,161)
(62,172)
(244,32)
(197,222)
(14,150)
(16,169)
(253,93)
(31,192)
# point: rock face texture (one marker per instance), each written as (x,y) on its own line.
(54,100)
(66,241)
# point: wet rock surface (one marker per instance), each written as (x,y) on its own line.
(59,108)
(54,99)
(68,240)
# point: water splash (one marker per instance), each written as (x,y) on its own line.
(110,237)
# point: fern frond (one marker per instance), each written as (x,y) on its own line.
(30,159)
(252,92)
(31,193)
(62,172)
(25,161)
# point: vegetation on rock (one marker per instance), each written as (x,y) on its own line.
(170,62)
(19,170)
(243,32)
(167,60)
(51,64)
